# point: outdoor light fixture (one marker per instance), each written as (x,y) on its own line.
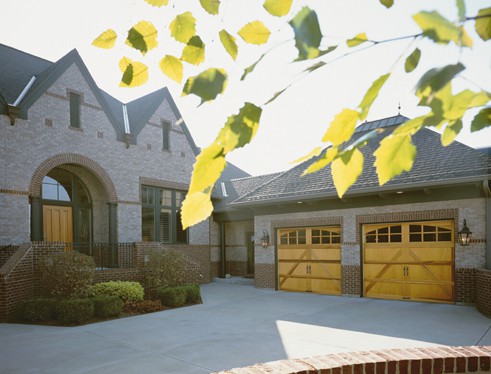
(265,239)
(465,235)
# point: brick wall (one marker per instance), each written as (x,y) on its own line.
(264,276)
(350,278)
(431,360)
(6,252)
(483,291)
(465,285)
(237,268)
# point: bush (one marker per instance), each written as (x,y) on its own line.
(74,310)
(107,306)
(127,291)
(38,309)
(172,296)
(145,306)
(193,293)
(66,275)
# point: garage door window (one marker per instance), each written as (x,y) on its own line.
(429,233)
(325,237)
(387,234)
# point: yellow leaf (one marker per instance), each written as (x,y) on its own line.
(346,169)
(172,67)
(395,154)
(342,127)
(207,168)
(323,161)
(357,40)
(134,73)
(158,3)
(183,27)
(451,132)
(255,33)
(207,85)
(196,207)
(313,153)
(194,51)
(371,95)
(228,42)
(278,8)
(211,6)
(106,40)
(143,37)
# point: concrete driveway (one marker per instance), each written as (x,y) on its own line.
(238,325)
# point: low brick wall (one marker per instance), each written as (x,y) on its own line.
(465,285)
(483,291)
(430,360)
(264,275)
(350,278)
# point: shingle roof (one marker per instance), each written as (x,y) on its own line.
(434,165)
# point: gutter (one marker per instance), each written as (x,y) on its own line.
(13,110)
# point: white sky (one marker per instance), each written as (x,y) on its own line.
(293,124)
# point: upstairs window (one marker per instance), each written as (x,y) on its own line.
(165,136)
(75,100)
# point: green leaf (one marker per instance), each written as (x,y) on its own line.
(483,23)
(172,67)
(143,37)
(255,33)
(228,42)
(134,73)
(371,95)
(346,169)
(440,30)
(461,9)
(194,51)
(342,127)
(183,27)
(106,40)
(207,85)
(313,153)
(278,8)
(450,132)
(323,161)
(239,128)
(308,34)
(435,79)
(211,6)
(387,3)
(395,154)
(316,66)
(157,3)
(357,40)
(207,169)
(195,208)
(277,94)
(251,68)
(481,120)
(412,60)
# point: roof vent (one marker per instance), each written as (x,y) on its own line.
(224,189)
(126,121)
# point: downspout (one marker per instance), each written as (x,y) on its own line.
(487,193)
(223,258)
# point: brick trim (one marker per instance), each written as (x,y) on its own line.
(72,158)
(14,192)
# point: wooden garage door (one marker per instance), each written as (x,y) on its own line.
(309,259)
(413,260)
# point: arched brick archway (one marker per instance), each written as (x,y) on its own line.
(74,159)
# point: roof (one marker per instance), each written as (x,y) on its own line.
(17,69)
(434,165)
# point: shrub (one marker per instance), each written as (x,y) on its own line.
(145,306)
(127,291)
(74,310)
(38,309)
(193,293)
(172,296)
(65,275)
(107,306)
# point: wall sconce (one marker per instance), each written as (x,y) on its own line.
(265,239)
(465,235)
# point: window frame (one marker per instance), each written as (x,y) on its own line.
(75,103)
(166,127)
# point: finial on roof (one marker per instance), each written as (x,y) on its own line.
(399,109)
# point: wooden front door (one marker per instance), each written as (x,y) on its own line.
(413,261)
(309,259)
(57,223)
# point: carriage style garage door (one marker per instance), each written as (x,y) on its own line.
(309,259)
(412,260)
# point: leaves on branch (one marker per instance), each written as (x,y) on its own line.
(255,33)
(183,27)
(251,68)
(207,169)
(194,51)
(357,40)
(412,60)
(207,85)
(483,23)
(308,34)
(158,3)
(278,8)
(387,3)
(106,40)
(143,37)
(228,42)
(277,94)
(481,120)
(435,79)
(195,208)
(371,95)
(440,30)
(346,169)
(342,127)
(322,162)
(211,6)
(172,67)
(451,131)
(134,73)
(313,153)
(395,154)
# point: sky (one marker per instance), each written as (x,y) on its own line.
(294,123)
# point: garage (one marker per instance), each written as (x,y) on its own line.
(410,261)
(309,259)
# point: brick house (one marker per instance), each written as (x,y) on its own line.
(78,166)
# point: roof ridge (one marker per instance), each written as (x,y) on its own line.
(25,53)
(256,176)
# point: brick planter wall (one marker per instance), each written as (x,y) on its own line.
(264,275)
(465,285)
(483,291)
(430,360)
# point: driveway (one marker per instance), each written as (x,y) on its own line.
(238,325)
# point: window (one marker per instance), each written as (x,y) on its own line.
(75,100)
(387,234)
(161,215)
(166,135)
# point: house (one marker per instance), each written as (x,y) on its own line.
(81,168)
